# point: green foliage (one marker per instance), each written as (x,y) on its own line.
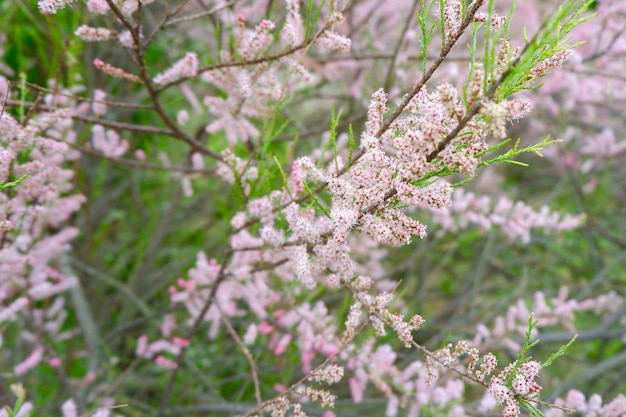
(37,45)
(14,183)
(551,39)
(422,18)
(312,17)
(508,156)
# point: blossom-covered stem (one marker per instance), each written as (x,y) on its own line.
(307,43)
(140,61)
(358,154)
(476,108)
(143,165)
(118,126)
(463,122)
(108,103)
(49,353)
(422,349)
(221,276)
(469,18)
(195,327)
(330,359)
(463,375)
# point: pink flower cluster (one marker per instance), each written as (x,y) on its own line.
(91,34)
(115,71)
(517,220)
(234,113)
(591,407)
(522,384)
(52,6)
(557,311)
(108,142)
(34,236)
(186,67)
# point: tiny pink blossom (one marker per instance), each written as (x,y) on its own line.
(499,391)
(265,328)
(549,64)
(335,42)
(250,335)
(180,342)
(115,72)
(69,409)
(496,19)
(182,117)
(452,17)
(29,363)
(98,106)
(52,6)
(125,39)
(140,154)
(164,362)
(511,409)
(184,68)
(10,312)
(108,142)
(98,6)
(197,161)
(91,34)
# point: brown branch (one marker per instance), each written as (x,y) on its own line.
(140,164)
(200,14)
(247,354)
(139,49)
(89,100)
(118,126)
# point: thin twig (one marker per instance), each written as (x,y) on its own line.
(246,352)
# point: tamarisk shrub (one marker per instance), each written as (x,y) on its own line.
(272,153)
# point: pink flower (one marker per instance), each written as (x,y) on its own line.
(98,106)
(140,154)
(164,362)
(184,68)
(180,342)
(52,6)
(108,142)
(29,363)
(91,34)
(98,6)
(115,72)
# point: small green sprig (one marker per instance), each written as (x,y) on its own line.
(14,183)
(523,358)
(550,40)
(510,155)
(20,393)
